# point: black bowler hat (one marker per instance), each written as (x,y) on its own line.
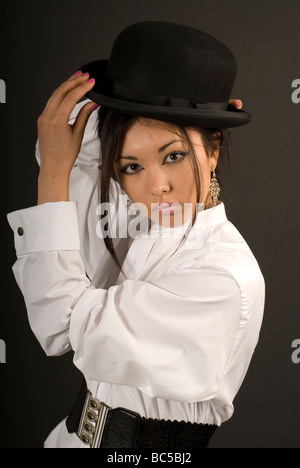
(168,72)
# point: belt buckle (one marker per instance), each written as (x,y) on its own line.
(92,422)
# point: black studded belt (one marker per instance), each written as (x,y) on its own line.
(99,426)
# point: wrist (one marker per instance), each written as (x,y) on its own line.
(52,187)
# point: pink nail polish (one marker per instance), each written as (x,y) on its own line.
(91,80)
(85,74)
(78,73)
(95,107)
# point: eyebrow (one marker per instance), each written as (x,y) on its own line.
(160,150)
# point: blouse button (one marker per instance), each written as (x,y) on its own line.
(21,231)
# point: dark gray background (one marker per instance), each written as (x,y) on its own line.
(42,43)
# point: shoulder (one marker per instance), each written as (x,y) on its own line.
(228,250)
(223,257)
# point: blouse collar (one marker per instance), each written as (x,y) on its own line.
(204,220)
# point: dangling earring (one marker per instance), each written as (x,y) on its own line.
(132,210)
(214,187)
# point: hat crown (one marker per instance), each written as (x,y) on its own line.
(169,59)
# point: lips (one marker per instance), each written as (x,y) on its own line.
(164,205)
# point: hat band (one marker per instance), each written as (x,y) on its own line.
(122,92)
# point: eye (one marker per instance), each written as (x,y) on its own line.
(131,169)
(176,157)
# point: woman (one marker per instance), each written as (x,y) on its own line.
(163,307)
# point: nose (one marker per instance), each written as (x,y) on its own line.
(159,183)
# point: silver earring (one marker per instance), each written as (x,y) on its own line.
(132,210)
(214,187)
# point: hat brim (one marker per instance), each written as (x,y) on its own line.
(102,94)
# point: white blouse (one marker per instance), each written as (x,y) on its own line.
(172,337)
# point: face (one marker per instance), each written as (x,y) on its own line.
(154,168)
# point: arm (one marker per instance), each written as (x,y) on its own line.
(61,136)
(59,142)
(172,337)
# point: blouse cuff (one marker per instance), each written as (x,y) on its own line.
(46,227)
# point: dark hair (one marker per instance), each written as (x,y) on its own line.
(112,127)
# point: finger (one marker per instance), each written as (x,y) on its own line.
(71,99)
(83,117)
(61,92)
(237,103)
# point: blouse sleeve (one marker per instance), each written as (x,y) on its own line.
(173,337)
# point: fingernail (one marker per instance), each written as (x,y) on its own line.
(240,104)
(78,73)
(91,80)
(95,107)
(85,74)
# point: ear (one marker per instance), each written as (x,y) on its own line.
(214,159)
(215,154)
